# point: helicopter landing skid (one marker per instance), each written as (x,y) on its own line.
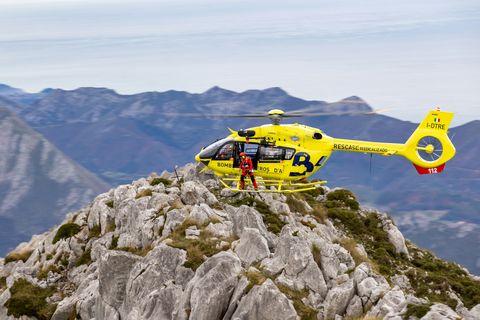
(279,186)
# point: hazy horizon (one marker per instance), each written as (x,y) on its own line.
(409,56)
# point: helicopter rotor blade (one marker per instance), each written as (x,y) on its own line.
(292,114)
(324,114)
(214,115)
(301,113)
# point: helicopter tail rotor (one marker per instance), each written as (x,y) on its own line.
(429,147)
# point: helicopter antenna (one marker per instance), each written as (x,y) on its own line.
(371,157)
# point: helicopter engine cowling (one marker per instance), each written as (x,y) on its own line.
(246,133)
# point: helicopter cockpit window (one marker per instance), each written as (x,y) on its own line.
(271,153)
(212,149)
(226,152)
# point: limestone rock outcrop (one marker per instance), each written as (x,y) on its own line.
(168,248)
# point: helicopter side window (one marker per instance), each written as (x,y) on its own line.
(251,149)
(225,152)
(271,153)
(289,153)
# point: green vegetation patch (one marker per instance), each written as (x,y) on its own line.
(206,244)
(94,232)
(367,230)
(111,226)
(114,243)
(63,259)
(73,313)
(66,231)
(137,251)
(272,221)
(305,312)
(246,201)
(30,300)
(3,283)
(314,192)
(417,310)
(318,212)
(85,258)
(351,246)
(342,198)
(296,205)
(254,278)
(43,273)
(109,203)
(317,255)
(157,180)
(432,277)
(144,193)
(18,255)
(308,224)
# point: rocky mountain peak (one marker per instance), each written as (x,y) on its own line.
(217,91)
(353,99)
(275,91)
(358,103)
(7,90)
(184,248)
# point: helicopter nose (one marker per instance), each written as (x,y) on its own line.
(197,157)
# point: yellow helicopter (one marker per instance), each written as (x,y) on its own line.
(285,155)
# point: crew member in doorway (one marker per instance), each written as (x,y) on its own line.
(247,169)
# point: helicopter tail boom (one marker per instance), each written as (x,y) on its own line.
(428,148)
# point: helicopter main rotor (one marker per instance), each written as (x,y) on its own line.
(275,115)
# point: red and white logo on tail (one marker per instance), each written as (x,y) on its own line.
(422,170)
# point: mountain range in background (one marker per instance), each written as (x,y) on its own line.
(38,183)
(123,137)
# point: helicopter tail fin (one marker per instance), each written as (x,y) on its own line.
(429,147)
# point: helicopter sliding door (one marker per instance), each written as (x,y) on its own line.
(250,149)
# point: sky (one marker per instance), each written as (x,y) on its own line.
(409,56)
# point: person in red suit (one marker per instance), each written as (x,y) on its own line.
(247,169)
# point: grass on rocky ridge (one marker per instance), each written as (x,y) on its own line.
(144,193)
(206,244)
(254,278)
(430,277)
(416,310)
(66,231)
(94,232)
(137,251)
(318,212)
(342,198)
(296,205)
(43,273)
(158,180)
(3,283)
(85,258)
(18,255)
(109,203)
(305,312)
(30,300)
(272,221)
(351,246)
